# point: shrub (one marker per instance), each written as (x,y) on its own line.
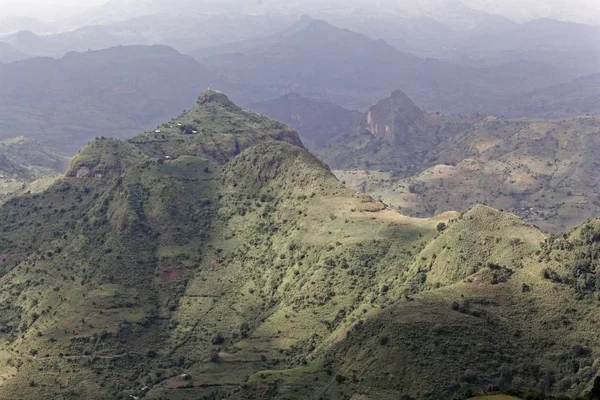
(244,330)
(218,339)
(552,275)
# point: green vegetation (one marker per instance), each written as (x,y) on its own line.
(231,263)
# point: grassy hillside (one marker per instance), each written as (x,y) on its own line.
(217,258)
(145,249)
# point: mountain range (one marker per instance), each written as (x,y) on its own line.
(184,32)
(218,257)
(577,97)
(83,39)
(323,61)
(427,163)
(309,235)
(520,62)
(115,92)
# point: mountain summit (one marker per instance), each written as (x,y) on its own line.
(395,119)
(148,245)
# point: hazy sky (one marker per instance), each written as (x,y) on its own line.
(576,10)
(46,9)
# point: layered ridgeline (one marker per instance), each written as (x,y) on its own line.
(317,59)
(217,258)
(318,122)
(64,103)
(425,164)
(9,54)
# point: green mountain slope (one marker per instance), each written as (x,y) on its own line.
(151,254)
(217,258)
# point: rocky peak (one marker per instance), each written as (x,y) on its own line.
(393,117)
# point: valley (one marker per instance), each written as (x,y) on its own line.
(27,166)
(424,164)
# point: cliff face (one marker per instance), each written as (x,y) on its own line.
(395,134)
(396,119)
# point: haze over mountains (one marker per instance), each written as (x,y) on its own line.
(318,120)
(116,92)
(582,11)
(9,54)
(312,58)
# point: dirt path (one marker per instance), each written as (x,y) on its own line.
(42,358)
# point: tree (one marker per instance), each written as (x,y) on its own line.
(441,227)
(595,393)
(245,330)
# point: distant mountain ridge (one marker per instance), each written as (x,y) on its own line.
(9,54)
(83,39)
(323,61)
(115,92)
(394,134)
(578,97)
(316,121)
